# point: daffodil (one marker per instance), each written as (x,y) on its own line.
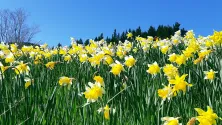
(179,83)
(9,58)
(129,61)
(188,52)
(50,65)
(172,57)
(170,71)
(99,79)
(153,68)
(3,68)
(106,112)
(83,58)
(47,55)
(93,92)
(22,68)
(164,49)
(62,51)
(117,68)
(27,82)
(166,92)
(204,53)
(181,59)
(190,34)
(96,59)
(217,37)
(65,81)
(171,121)
(27,49)
(14,47)
(198,60)
(206,117)
(129,35)
(67,58)
(108,59)
(209,74)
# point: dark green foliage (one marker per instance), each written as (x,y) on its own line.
(161,32)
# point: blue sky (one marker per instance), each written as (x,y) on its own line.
(61,19)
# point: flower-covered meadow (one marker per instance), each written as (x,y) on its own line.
(148,81)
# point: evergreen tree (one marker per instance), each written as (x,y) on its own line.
(138,31)
(114,37)
(100,37)
(79,41)
(86,42)
(152,31)
(176,27)
(161,32)
(59,45)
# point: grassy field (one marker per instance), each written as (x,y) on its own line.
(141,81)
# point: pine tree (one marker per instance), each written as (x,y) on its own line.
(152,31)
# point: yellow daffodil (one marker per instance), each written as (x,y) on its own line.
(170,71)
(129,35)
(129,61)
(166,92)
(117,67)
(62,51)
(14,48)
(108,59)
(171,121)
(172,57)
(180,59)
(209,74)
(67,58)
(106,112)
(22,68)
(93,92)
(206,117)
(50,65)
(204,53)
(198,60)
(27,82)
(65,81)
(3,68)
(217,37)
(164,49)
(9,58)
(179,83)
(153,68)
(99,79)
(188,52)
(83,58)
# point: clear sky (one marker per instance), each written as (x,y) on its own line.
(61,19)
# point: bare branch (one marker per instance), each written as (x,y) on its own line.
(14,27)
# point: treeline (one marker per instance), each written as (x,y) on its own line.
(161,31)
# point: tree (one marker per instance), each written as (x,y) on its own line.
(176,27)
(100,37)
(14,27)
(152,31)
(161,31)
(86,42)
(80,41)
(59,45)
(114,37)
(138,31)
